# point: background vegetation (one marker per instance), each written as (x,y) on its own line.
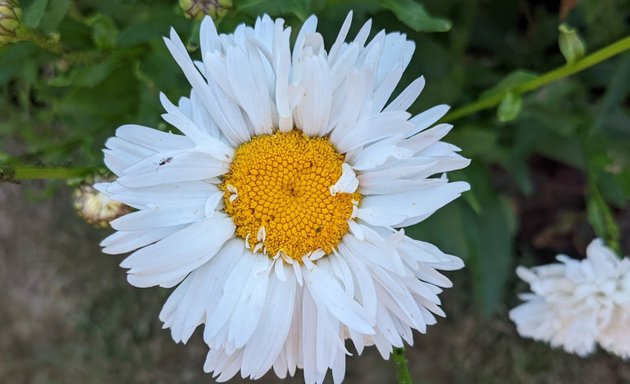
(550,171)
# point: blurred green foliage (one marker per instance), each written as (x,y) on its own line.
(99,64)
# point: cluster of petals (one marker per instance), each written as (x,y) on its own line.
(261,313)
(577,304)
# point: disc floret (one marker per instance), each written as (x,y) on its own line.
(278,194)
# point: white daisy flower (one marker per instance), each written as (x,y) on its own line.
(577,304)
(276,210)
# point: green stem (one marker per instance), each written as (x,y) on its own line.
(605,53)
(13,174)
(402,370)
(54,45)
(44,42)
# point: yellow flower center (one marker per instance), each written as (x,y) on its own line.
(278,194)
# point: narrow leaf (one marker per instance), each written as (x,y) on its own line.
(415,16)
(33,14)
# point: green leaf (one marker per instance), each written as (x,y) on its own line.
(510,107)
(568,151)
(149,27)
(193,41)
(491,244)
(55,13)
(615,94)
(415,16)
(474,141)
(104,31)
(33,14)
(493,253)
(88,76)
(509,82)
(300,8)
(555,120)
(517,168)
(12,59)
(601,218)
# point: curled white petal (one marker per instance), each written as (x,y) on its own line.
(347,183)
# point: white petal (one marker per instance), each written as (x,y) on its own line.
(250,306)
(282,66)
(201,116)
(363,33)
(391,210)
(313,111)
(152,138)
(341,37)
(347,183)
(231,293)
(373,128)
(247,78)
(187,212)
(407,97)
(213,203)
(267,342)
(165,195)
(428,118)
(350,100)
(126,241)
(173,167)
(209,38)
(427,138)
(309,337)
(185,309)
(385,89)
(378,153)
(366,293)
(327,292)
(309,26)
(224,112)
(397,50)
(179,253)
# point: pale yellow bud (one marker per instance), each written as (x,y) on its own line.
(10,20)
(197,9)
(96,208)
(571,44)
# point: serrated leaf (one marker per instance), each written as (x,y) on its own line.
(415,16)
